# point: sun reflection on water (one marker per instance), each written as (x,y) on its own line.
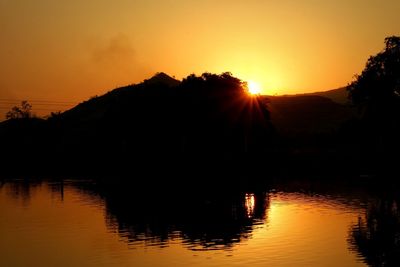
(249,204)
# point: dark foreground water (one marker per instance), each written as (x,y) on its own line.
(70,223)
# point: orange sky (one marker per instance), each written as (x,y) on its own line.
(72,50)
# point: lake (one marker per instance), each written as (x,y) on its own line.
(81,223)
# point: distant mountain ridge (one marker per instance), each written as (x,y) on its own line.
(338,95)
(316,112)
(308,114)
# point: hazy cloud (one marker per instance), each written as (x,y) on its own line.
(117,51)
(116,62)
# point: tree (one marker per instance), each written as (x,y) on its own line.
(221,116)
(377,89)
(22,112)
(376,92)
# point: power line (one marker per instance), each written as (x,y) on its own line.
(36,101)
(40,104)
(38,109)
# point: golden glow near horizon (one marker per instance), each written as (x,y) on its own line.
(72,50)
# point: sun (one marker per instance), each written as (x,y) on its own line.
(254,88)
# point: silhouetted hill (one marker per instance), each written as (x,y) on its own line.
(97,107)
(339,95)
(308,114)
(203,123)
(162,78)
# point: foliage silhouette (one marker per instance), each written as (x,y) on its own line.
(378,86)
(376,92)
(23,112)
(220,116)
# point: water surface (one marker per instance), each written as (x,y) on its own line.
(72,223)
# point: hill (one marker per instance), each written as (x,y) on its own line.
(308,114)
(203,122)
(99,107)
(339,95)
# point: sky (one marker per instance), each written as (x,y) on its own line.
(63,52)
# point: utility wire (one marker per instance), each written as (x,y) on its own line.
(3,100)
(40,104)
(35,109)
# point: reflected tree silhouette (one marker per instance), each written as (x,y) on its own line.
(219,219)
(22,189)
(203,221)
(376,236)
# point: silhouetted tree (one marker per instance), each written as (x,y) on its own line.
(377,89)
(221,118)
(376,92)
(22,112)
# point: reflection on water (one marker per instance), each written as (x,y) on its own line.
(249,204)
(203,222)
(376,235)
(69,223)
